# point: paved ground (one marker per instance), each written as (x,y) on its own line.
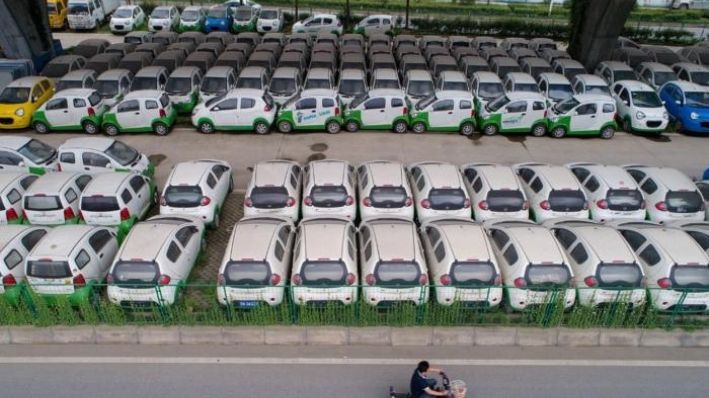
(243,371)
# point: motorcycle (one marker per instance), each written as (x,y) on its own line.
(445,382)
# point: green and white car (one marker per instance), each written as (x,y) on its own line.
(112,85)
(583,115)
(141,111)
(311,110)
(245,18)
(381,109)
(445,111)
(76,109)
(241,110)
(182,88)
(27,154)
(191,19)
(514,112)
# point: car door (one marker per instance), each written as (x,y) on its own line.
(129,114)
(57,112)
(442,114)
(104,246)
(248,111)
(221,190)
(94,162)
(313,26)
(224,113)
(141,196)
(188,240)
(306,112)
(513,115)
(623,102)
(584,117)
(374,112)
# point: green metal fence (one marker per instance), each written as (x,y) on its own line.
(197,305)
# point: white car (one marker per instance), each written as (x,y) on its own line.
(325,262)
(16,241)
(495,191)
(418,85)
(269,21)
(514,112)
(438,190)
(445,111)
(590,84)
(383,189)
(669,193)
(553,191)
(311,110)
(461,262)
(639,107)
(520,82)
(164,18)
(99,154)
(76,109)
(199,189)
(217,82)
(155,260)
(486,87)
(612,193)
(375,24)
(142,111)
(532,262)
(392,262)
(27,154)
(319,23)
(329,189)
(127,19)
(243,109)
(274,189)
(698,230)
(182,88)
(555,87)
(256,263)
(606,269)
(112,85)
(583,115)
(703,187)
(13,185)
(380,109)
(53,199)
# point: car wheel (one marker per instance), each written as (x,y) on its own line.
(285,127)
(262,128)
(467,129)
(400,127)
(160,129)
(418,127)
(558,132)
(90,127)
(206,128)
(111,130)
(490,129)
(608,133)
(41,128)
(352,127)
(332,127)
(539,130)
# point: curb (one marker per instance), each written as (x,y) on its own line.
(345,336)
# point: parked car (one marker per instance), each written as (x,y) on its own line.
(614,71)
(552,191)
(89,47)
(698,230)
(380,109)
(438,190)
(21,98)
(286,83)
(54,198)
(13,185)
(694,73)
(245,19)
(314,111)
(383,189)
(61,65)
(164,18)
(486,86)
(138,37)
(520,82)
(136,61)
(569,68)
(384,79)
(329,189)
(219,19)
(639,107)
(102,62)
(79,109)
(82,78)
(17,241)
(238,110)
(100,154)
(201,60)
(318,23)
(590,84)
(182,88)
(270,20)
(555,87)
(27,154)
(687,104)
(583,115)
(516,112)
(274,189)
(192,19)
(126,19)
(445,111)
(140,111)
(655,74)
(253,77)
(150,78)
(495,192)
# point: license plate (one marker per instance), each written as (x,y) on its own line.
(247,304)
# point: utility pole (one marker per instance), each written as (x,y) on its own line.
(295,17)
(347,14)
(407,15)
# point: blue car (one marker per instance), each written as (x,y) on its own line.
(219,19)
(688,105)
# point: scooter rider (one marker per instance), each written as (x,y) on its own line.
(421,385)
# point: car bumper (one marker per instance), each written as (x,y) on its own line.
(606,215)
(378,295)
(542,215)
(482,215)
(423,215)
(344,211)
(289,212)
(238,297)
(649,125)
(121,27)
(596,297)
(15,122)
(669,300)
(488,297)
(305,295)
(520,299)
(695,126)
(205,213)
(162,295)
(666,216)
(369,212)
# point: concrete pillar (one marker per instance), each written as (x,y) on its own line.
(595,27)
(24,31)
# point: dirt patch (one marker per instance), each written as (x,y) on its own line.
(316,156)
(157,158)
(319,147)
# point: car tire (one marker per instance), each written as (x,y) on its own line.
(490,129)
(40,128)
(90,127)
(558,132)
(332,127)
(400,127)
(285,127)
(607,133)
(352,127)
(539,130)
(418,128)
(206,128)
(161,129)
(111,130)
(467,129)
(262,128)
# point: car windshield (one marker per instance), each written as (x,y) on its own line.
(243,14)
(351,87)
(598,90)
(329,196)
(123,13)
(42,203)
(619,275)
(565,106)
(78,9)
(547,275)
(67,84)
(248,82)
(247,273)
(135,273)
(664,77)
(505,200)
(269,197)
(183,196)
(490,90)
(567,200)
(700,78)
(15,95)
(387,83)
(99,203)
(495,105)
(160,13)
(472,274)
(697,98)
(624,199)
(218,12)
(317,83)
(48,269)
(690,276)
(319,273)
(397,273)
(214,85)
(106,88)
(178,85)
(122,153)
(456,86)
(560,92)
(388,197)
(190,15)
(425,102)
(684,202)
(282,85)
(268,14)
(527,87)
(37,151)
(624,75)
(420,88)
(144,83)
(447,199)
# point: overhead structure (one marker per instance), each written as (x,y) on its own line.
(25,31)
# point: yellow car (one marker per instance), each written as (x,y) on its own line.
(21,98)
(57,11)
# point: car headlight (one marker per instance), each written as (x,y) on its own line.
(639,115)
(20,112)
(694,116)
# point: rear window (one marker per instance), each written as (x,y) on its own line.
(328,196)
(690,276)
(446,199)
(247,273)
(48,269)
(567,201)
(269,197)
(42,203)
(323,273)
(135,274)
(684,202)
(619,275)
(505,200)
(556,275)
(183,196)
(624,199)
(397,273)
(472,273)
(388,197)
(99,203)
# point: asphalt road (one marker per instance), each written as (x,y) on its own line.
(189,371)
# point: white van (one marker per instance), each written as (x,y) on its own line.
(611,191)
(606,269)
(329,189)
(98,155)
(70,261)
(533,264)
(54,198)
(155,260)
(12,188)
(274,189)
(553,191)
(325,262)
(256,263)
(495,191)
(461,262)
(438,190)
(88,14)
(677,268)
(383,189)
(16,241)
(392,263)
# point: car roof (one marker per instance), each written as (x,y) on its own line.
(253,237)
(146,239)
(219,71)
(688,86)
(272,172)
(113,74)
(593,98)
(328,172)
(246,92)
(385,92)
(386,172)
(188,173)
(74,92)
(616,65)
(504,61)
(150,71)
(453,75)
(677,244)
(78,74)
(27,81)
(606,242)
(440,174)
(655,66)
(635,85)
(163,7)
(191,8)
(184,71)
(466,239)
(554,78)
(524,96)
(390,238)
(497,176)
(61,240)
(252,71)
(323,237)
(418,74)
(96,143)
(319,73)
(51,183)
(139,94)
(535,61)
(385,73)
(106,183)
(13,142)
(285,71)
(558,177)
(535,242)
(672,178)
(589,79)
(690,67)
(487,77)
(6,177)
(9,232)
(128,7)
(520,77)
(567,62)
(453,94)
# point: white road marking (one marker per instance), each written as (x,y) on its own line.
(344,361)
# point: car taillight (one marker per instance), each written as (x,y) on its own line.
(423,279)
(11,214)
(9,280)
(162,112)
(498,280)
(79,281)
(366,202)
(370,279)
(349,201)
(602,204)
(68,213)
(290,202)
(545,205)
(267,108)
(337,110)
(404,111)
(275,279)
(163,202)
(590,281)
(426,204)
(483,205)
(445,280)
(164,280)
(248,202)
(91,111)
(525,205)
(205,201)
(661,206)
(308,201)
(125,214)
(296,280)
(466,203)
(520,283)
(408,202)
(109,279)
(351,279)
(664,283)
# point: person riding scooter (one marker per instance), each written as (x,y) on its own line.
(422,386)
